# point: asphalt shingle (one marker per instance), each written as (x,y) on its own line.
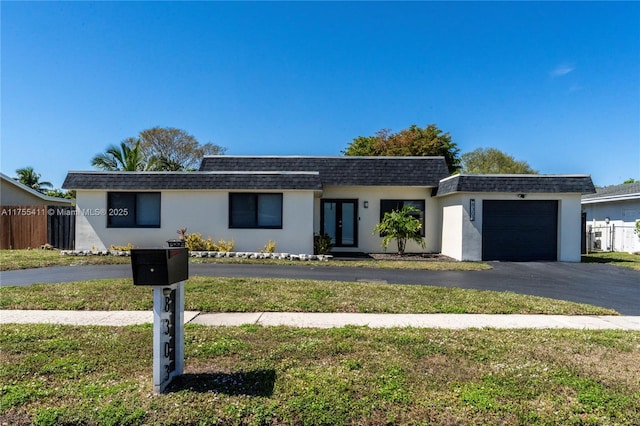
(365,171)
(615,191)
(193,180)
(580,184)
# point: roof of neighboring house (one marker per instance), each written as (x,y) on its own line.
(358,171)
(526,184)
(45,198)
(192,180)
(626,191)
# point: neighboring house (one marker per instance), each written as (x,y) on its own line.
(30,219)
(611,214)
(14,193)
(288,199)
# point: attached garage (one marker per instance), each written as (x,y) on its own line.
(512,217)
(520,230)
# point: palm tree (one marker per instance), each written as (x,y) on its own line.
(168,164)
(27,176)
(123,158)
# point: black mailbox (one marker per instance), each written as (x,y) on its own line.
(161,266)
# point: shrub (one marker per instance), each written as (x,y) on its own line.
(225,246)
(128,247)
(270,247)
(195,242)
(322,244)
(400,225)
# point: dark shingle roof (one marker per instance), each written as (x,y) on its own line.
(623,190)
(580,184)
(367,171)
(192,180)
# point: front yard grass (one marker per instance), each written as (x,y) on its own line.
(25,259)
(216,294)
(256,375)
(626,260)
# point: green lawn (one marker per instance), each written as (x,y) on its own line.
(213,294)
(626,260)
(254,375)
(25,259)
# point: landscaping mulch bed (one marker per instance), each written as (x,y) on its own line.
(434,257)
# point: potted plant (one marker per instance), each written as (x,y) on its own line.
(180,242)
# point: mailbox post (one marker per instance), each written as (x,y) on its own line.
(165,270)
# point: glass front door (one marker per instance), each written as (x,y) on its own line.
(340,221)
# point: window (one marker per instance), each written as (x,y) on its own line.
(249,210)
(386,206)
(133,210)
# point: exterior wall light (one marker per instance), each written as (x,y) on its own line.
(366,204)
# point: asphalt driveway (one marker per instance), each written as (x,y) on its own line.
(596,284)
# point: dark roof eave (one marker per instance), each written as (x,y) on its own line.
(529,184)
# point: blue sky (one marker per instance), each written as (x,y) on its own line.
(554,84)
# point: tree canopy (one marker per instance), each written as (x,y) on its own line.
(414,141)
(124,158)
(174,149)
(493,161)
(156,149)
(27,176)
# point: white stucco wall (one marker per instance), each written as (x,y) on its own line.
(204,212)
(370,217)
(462,238)
(620,233)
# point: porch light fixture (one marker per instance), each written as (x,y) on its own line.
(366,204)
(607,220)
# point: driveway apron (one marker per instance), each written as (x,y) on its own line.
(597,284)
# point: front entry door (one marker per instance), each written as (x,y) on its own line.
(340,221)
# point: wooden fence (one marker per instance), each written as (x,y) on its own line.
(24,227)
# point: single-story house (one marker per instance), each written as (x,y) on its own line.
(611,216)
(30,219)
(288,199)
(15,193)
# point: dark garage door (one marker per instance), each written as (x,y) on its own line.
(519,230)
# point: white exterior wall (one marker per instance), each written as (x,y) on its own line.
(368,218)
(462,238)
(204,212)
(620,233)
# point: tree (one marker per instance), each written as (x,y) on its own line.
(27,176)
(630,180)
(124,158)
(414,141)
(400,225)
(175,149)
(493,161)
(58,193)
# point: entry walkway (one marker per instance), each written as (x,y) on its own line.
(329,320)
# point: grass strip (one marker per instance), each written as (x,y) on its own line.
(213,294)
(26,259)
(353,375)
(625,260)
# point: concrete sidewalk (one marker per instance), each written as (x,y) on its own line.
(329,320)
